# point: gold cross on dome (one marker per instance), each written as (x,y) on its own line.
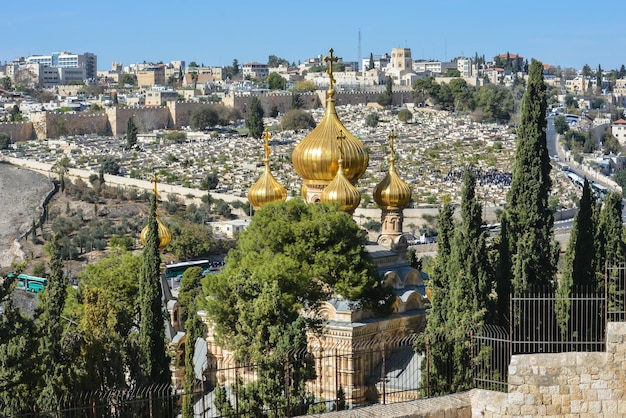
(155,179)
(267,136)
(330,59)
(392,136)
(340,137)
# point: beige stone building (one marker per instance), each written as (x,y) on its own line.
(153,75)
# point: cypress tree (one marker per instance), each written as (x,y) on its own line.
(131,133)
(50,326)
(436,339)
(530,220)
(154,359)
(254,121)
(578,267)
(609,242)
(503,275)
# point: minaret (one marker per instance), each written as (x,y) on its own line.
(316,157)
(340,190)
(266,189)
(165,235)
(392,194)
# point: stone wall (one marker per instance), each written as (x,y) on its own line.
(18,131)
(563,384)
(146,118)
(56,124)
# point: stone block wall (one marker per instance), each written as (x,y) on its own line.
(54,125)
(563,384)
(18,131)
(146,118)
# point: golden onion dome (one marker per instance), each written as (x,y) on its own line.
(165,235)
(392,191)
(266,189)
(341,190)
(315,157)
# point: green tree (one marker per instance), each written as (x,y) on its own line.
(131,133)
(203,117)
(372,119)
(620,179)
(109,165)
(297,119)
(190,289)
(370,66)
(316,253)
(560,124)
(5,140)
(609,242)
(530,222)
(154,359)
(18,356)
(296,100)
(276,82)
(405,115)
(210,181)
(254,121)
(586,71)
(438,379)
(127,80)
(579,264)
(5,83)
(191,240)
(53,361)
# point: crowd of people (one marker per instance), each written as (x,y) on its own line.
(492,176)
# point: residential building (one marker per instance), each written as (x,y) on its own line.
(152,75)
(465,67)
(255,70)
(380,62)
(158,97)
(620,87)
(436,67)
(618,130)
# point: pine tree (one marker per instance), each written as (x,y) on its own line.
(50,327)
(530,220)
(131,133)
(154,359)
(254,121)
(371,64)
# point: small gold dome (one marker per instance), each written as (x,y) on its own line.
(165,235)
(266,189)
(392,191)
(342,191)
(315,157)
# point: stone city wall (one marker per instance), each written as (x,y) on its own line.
(56,124)
(113,121)
(18,131)
(146,118)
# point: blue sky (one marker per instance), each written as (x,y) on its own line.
(215,32)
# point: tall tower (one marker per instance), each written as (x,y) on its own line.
(392,194)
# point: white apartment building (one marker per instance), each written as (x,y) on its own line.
(86,61)
(436,67)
